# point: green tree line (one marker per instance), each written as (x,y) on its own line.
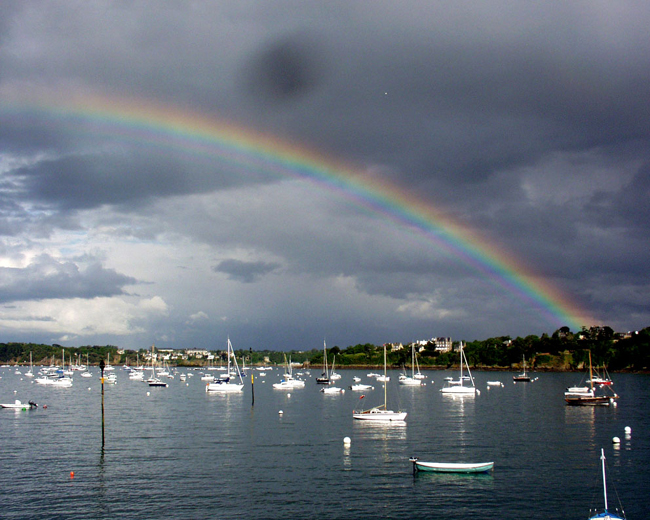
(562,350)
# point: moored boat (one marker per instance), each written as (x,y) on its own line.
(451,467)
(457,387)
(18,405)
(523,377)
(606,514)
(225,384)
(380,413)
(588,396)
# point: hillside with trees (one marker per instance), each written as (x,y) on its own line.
(563,350)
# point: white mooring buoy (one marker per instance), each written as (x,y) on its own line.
(616,440)
(347,441)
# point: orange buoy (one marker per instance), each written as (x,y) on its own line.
(72,474)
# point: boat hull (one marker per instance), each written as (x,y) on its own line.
(589,401)
(409,381)
(224,387)
(375,414)
(459,390)
(452,467)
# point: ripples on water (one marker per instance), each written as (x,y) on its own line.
(182,453)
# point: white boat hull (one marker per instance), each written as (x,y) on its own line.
(16,405)
(452,467)
(361,388)
(224,387)
(459,390)
(378,414)
(409,381)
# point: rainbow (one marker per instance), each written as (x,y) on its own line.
(166,126)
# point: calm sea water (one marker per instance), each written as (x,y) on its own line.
(181,453)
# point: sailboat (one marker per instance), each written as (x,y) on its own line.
(586,395)
(153,380)
(380,413)
(601,379)
(225,384)
(86,373)
(334,376)
(606,514)
(457,387)
(30,373)
(418,374)
(523,377)
(288,382)
(410,380)
(56,377)
(324,379)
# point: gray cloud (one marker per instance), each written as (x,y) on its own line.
(245,272)
(527,123)
(47,278)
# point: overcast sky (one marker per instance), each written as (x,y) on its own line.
(527,122)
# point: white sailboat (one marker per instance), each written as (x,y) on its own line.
(225,384)
(523,377)
(288,382)
(418,374)
(334,376)
(410,380)
(30,372)
(153,380)
(380,413)
(606,514)
(457,387)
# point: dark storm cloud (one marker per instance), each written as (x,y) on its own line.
(46,277)
(529,123)
(285,70)
(245,272)
(120,178)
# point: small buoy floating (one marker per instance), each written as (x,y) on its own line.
(616,440)
(280,412)
(347,441)
(72,474)
(628,430)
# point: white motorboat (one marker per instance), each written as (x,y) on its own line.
(361,388)
(332,390)
(17,405)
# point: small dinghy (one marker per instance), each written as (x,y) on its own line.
(451,467)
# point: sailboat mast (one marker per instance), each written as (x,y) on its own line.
(602,458)
(591,375)
(325,358)
(412,360)
(228,354)
(385,385)
(461,363)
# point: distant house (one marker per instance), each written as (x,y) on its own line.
(442,344)
(196,353)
